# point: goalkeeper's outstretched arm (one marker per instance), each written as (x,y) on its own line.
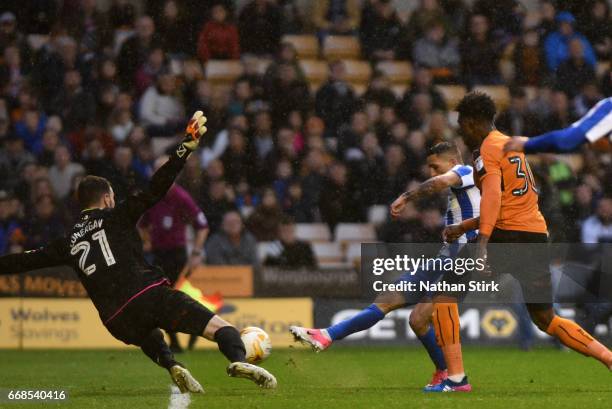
(55,254)
(134,206)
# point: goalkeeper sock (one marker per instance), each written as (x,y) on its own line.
(573,336)
(365,319)
(435,353)
(230,344)
(156,348)
(446,324)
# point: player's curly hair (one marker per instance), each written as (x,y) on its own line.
(476,105)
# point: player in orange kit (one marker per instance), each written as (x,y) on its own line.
(509,213)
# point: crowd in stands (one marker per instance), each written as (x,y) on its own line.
(91,91)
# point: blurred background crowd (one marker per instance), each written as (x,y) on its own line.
(319,112)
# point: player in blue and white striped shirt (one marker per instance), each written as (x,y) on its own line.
(596,124)
(448,173)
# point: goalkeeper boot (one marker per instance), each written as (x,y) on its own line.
(255,373)
(449,386)
(318,339)
(184,380)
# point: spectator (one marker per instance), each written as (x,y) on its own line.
(422,84)
(176,38)
(557,44)
(160,109)
(586,99)
(11,36)
(517,119)
(135,49)
(12,72)
(262,139)
(598,29)
(379,92)
(30,129)
(335,17)
(437,51)
(426,11)
(405,229)
(75,105)
(480,54)
(338,201)
(217,200)
(366,165)
(598,227)
(218,39)
(573,73)
(147,73)
(288,252)
(528,59)
(122,176)
(286,55)
(335,100)
(380,30)
(264,222)
(259,25)
(561,115)
(11,233)
(288,93)
(351,137)
(63,171)
(232,245)
(12,159)
(50,142)
(45,224)
(238,158)
(396,174)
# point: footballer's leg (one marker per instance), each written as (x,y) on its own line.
(230,344)
(322,338)
(446,323)
(569,333)
(420,322)
(181,313)
(156,348)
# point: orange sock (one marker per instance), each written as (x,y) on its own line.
(446,324)
(576,338)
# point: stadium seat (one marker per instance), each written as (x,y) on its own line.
(398,72)
(452,94)
(355,232)
(313,232)
(499,94)
(327,252)
(223,71)
(357,72)
(315,71)
(306,46)
(377,214)
(336,47)
(353,253)
(262,65)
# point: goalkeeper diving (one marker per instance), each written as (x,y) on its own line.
(134,298)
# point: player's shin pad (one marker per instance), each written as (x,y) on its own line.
(576,338)
(446,323)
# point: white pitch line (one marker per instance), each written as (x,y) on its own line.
(178,400)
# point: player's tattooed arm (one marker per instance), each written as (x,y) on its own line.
(427,188)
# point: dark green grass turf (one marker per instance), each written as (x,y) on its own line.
(339,378)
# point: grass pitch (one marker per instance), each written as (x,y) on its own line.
(340,378)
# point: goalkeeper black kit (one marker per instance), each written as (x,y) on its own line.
(106,250)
